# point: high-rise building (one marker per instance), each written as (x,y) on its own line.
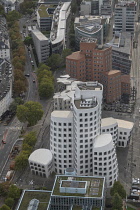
(125,12)
(88,63)
(74,128)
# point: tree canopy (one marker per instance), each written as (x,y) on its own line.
(21,161)
(14,192)
(65,53)
(30,112)
(5,207)
(46,81)
(54,61)
(118,188)
(9,202)
(28,41)
(117,202)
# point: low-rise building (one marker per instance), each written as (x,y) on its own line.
(42,46)
(78,192)
(41,162)
(124,132)
(5,85)
(119,129)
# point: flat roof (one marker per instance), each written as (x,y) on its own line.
(42,195)
(95,186)
(90,86)
(39,35)
(108,121)
(62,114)
(42,156)
(43,10)
(102,140)
(125,124)
(81,105)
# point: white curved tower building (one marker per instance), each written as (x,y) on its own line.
(61,140)
(104,159)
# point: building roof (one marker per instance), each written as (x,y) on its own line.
(3,45)
(43,10)
(121,43)
(108,121)
(42,156)
(76,56)
(95,186)
(62,114)
(112,72)
(39,35)
(124,124)
(102,140)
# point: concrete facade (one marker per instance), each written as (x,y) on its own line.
(125,12)
(41,44)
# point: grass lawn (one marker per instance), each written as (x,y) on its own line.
(43,198)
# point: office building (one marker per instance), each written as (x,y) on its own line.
(78,192)
(90,27)
(106,8)
(44,17)
(41,44)
(111,81)
(74,128)
(59,27)
(125,12)
(121,52)
(90,62)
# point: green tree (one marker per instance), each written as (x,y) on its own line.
(5,207)
(118,188)
(28,41)
(31,112)
(46,88)
(2,12)
(9,202)
(26,147)
(117,202)
(21,160)
(13,105)
(65,53)
(30,139)
(4,187)
(14,192)
(12,16)
(54,61)
(19,87)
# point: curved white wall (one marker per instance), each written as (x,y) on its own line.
(104,159)
(61,140)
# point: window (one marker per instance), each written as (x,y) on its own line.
(95,153)
(100,153)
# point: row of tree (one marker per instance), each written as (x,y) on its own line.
(45,81)
(27,7)
(10,193)
(18,53)
(21,160)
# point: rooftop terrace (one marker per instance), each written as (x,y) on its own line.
(95,186)
(43,10)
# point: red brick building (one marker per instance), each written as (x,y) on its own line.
(94,63)
(125,84)
(88,63)
(111,81)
